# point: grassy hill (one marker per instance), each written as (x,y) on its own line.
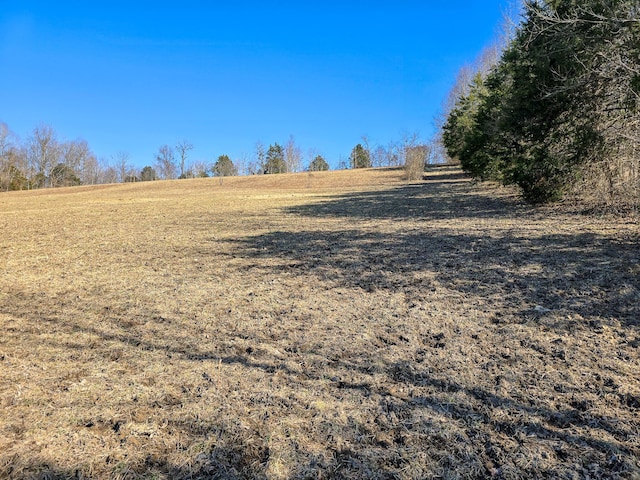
(327,325)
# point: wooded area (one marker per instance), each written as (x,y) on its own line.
(44,161)
(558,113)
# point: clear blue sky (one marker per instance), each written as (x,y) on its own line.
(132,76)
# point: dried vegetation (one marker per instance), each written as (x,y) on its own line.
(325,325)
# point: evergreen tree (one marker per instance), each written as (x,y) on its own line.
(560,105)
(63,176)
(148,174)
(274,160)
(224,167)
(17,179)
(360,157)
(318,164)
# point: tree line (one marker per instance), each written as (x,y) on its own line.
(558,111)
(44,161)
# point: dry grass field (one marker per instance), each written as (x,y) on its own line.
(325,325)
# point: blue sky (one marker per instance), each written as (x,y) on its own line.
(132,76)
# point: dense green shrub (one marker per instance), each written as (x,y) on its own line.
(563,98)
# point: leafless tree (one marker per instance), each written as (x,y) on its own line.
(255,166)
(131,175)
(107,173)
(75,154)
(292,155)
(12,161)
(43,152)
(512,16)
(414,154)
(165,163)
(120,162)
(366,144)
(5,147)
(459,89)
(197,169)
(483,63)
(5,138)
(379,156)
(183,149)
(90,171)
(394,153)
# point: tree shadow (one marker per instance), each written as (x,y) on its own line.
(507,435)
(536,419)
(444,197)
(238,452)
(222,463)
(391,441)
(592,275)
(588,274)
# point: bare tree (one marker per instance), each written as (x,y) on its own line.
(197,169)
(183,149)
(366,144)
(378,156)
(90,171)
(5,138)
(121,165)
(165,163)
(292,155)
(131,175)
(107,173)
(389,156)
(5,147)
(12,162)
(255,167)
(243,163)
(42,153)
(483,64)
(411,157)
(17,166)
(512,16)
(75,154)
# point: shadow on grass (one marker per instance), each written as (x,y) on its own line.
(592,275)
(445,197)
(587,274)
(534,420)
(398,431)
(237,453)
(220,463)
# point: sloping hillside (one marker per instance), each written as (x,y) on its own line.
(326,325)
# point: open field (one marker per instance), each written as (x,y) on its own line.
(326,325)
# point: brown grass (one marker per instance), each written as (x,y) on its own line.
(324,325)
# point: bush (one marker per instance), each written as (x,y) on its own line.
(415,159)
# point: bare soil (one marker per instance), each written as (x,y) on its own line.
(325,325)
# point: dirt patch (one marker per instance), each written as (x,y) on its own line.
(333,325)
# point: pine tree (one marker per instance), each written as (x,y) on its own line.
(274,160)
(360,157)
(224,167)
(318,164)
